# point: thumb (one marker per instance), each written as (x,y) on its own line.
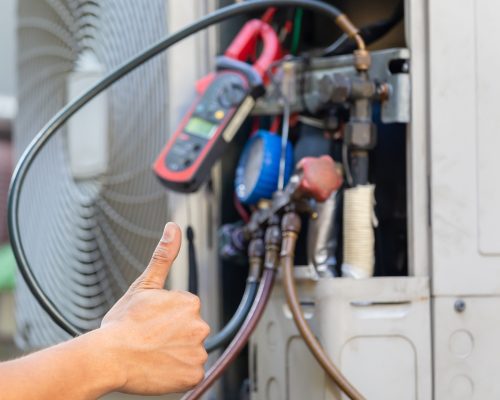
(156,273)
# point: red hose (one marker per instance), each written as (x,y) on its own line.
(241,338)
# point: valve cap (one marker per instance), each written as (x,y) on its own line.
(320,177)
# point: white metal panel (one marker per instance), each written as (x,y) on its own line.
(281,367)
(488,126)
(464,164)
(378,331)
(467,349)
(417,141)
(395,377)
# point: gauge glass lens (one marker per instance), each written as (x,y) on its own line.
(253,165)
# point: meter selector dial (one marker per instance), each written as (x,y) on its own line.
(231,94)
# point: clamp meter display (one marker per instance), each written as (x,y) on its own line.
(205,131)
(220,110)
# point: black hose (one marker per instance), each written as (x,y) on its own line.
(227,333)
(70,109)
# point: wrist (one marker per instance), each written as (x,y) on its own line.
(101,362)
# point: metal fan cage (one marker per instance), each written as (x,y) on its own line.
(87,240)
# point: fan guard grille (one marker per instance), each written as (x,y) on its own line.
(86,241)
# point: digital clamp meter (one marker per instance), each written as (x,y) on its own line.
(220,110)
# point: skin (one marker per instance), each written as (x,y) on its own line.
(150,343)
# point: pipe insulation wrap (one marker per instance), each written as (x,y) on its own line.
(359,238)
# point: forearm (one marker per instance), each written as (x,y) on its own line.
(150,342)
(79,369)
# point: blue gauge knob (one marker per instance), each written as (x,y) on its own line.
(258,168)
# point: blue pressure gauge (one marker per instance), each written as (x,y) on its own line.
(258,169)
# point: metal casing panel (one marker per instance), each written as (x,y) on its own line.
(376,330)
(281,367)
(379,332)
(464,121)
(466,351)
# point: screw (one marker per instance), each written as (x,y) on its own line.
(459,306)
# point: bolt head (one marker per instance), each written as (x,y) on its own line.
(459,306)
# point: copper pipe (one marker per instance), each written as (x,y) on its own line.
(359,41)
(241,338)
(291,228)
(351,30)
(362,59)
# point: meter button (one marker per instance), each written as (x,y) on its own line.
(196,147)
(219,114)
(187,146)
(179,150)
(174,166)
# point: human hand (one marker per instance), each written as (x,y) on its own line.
(156,336)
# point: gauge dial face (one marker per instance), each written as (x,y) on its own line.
(253,166)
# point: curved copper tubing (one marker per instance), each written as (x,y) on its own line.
(287,264)
(241,338)
(360,42)
(351,30)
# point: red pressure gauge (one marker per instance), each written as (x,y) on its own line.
(212,121)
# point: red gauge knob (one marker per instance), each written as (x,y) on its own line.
(320,177)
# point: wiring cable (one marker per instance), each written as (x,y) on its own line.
(41,139)
(297,25)
(291,227)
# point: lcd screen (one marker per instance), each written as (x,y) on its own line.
(200,127)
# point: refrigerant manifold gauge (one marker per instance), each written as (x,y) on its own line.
(257,174)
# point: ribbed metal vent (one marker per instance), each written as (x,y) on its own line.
(88,239)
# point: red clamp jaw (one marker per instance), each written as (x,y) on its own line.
(243,48)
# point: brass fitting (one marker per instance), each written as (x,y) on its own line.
(255,255)
(383,91)
(272,241)
(290,225)
(362,59)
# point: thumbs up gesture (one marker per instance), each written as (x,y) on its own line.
(156,336)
